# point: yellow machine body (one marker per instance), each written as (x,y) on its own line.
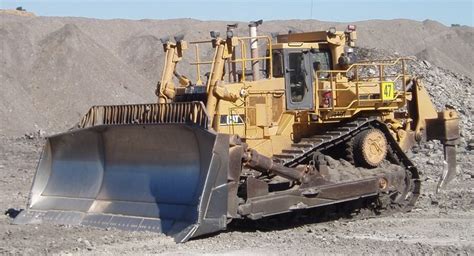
(250,138)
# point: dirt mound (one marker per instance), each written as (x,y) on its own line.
(70,72)
(84,70)
(143,53)
(450,48)
(54,69)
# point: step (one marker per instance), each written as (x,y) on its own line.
(293,151)
(323,137)
(343,129)
(313,140)
(351,124)
(284,156)
(336,133)
(302,145)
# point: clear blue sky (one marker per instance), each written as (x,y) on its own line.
(447,12)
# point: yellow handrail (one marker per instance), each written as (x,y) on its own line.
(243,52)
(243,56)
(363,82)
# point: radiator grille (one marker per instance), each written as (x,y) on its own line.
(156,113)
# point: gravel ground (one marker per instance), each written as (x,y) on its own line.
(439,224)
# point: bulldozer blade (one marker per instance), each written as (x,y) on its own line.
(449,169)
(166,178)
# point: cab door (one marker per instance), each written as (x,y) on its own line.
(298,80)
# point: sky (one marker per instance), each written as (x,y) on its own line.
(445,11)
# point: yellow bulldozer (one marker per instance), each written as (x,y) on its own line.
(294,125)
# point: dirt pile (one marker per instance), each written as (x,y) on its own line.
(85,74)
(48,84)
(54,69)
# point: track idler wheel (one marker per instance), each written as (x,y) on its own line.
(370,148)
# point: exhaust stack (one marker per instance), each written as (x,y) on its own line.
(254,48)
(233,70)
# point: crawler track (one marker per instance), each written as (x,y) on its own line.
(302,151)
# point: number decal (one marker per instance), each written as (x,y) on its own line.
(388,90)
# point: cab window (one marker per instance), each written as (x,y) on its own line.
(297,76)
(277,61)
(321,60)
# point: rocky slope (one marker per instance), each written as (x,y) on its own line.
(53,69)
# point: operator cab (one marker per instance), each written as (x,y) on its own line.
(298,64)
(303,58)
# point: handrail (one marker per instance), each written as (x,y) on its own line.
(198,62)
(393,63)
(243,53)
(379,61)
(201,41)
(366,81)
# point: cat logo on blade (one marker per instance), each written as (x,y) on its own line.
(234,119)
